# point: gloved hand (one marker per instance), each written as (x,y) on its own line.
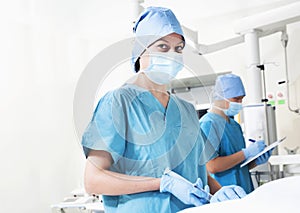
(188,193)
(228,193)
(264,157)
(254,149)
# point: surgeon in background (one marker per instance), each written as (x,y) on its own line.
(226,145)
(143,144)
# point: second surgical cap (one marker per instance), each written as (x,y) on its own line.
(228,86)
(153,24)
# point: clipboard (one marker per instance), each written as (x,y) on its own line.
(271,146)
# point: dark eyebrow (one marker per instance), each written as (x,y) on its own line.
(161,39)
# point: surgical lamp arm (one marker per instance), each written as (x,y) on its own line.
(205,49)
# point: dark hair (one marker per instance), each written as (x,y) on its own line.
(137,65)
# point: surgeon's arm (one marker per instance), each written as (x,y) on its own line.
(214,185)
(222,163)
(99,180)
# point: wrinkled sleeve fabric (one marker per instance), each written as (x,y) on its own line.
(103,132)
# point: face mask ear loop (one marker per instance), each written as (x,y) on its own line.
(210,97)
(219,108)
(143,46)
(145,49)
(217,94)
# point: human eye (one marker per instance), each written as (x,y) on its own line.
(163,47)
(179,49)
(238,99)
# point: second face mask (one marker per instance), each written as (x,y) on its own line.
(234,109)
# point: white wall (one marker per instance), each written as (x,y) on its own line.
(44,47)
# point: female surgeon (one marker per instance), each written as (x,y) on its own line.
(226,145)
(143,144)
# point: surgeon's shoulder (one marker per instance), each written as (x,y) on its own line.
(208,120)
(208,117)
(116,96)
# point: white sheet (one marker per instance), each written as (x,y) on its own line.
(282,195)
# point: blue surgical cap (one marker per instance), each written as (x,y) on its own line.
(153,24)
(228,86)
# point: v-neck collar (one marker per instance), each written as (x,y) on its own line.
(144,97)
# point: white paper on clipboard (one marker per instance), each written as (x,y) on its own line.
(276,143)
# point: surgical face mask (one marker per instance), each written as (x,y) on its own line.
(164,67)
(233,109)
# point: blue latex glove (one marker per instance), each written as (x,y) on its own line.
(263,158)
(228,193)
(185,191)
(254,149)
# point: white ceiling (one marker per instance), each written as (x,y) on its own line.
(94,18)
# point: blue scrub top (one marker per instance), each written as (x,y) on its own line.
(143,139)
(225,138)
